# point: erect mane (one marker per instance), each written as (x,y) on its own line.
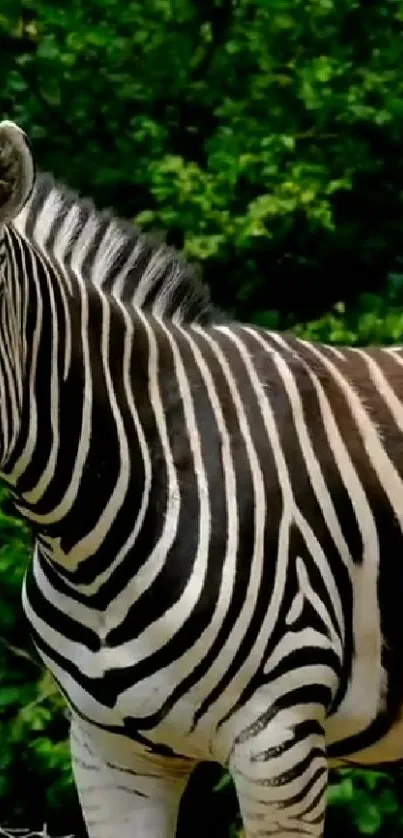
(113,254)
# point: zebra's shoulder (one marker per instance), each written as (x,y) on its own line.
(114,254)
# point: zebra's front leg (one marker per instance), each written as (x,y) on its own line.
(136,800)
(280,776)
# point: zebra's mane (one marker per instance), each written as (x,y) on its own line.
(113,254)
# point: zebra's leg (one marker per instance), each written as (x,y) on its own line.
(280,776)
(136,800)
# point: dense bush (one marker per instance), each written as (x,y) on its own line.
(265,136)
(34,761)
(265,133)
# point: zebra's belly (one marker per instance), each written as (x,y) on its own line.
(388,749)
(130,713)
(96,697)
(112,689)
(140,688)
(99,689)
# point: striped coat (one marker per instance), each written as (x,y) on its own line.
(218,514)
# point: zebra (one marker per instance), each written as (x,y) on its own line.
(217,512)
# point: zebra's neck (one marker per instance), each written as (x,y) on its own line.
(21,313)
(77,448)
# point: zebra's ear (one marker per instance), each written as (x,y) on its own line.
(17,170)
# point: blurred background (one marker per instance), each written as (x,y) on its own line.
(264,137)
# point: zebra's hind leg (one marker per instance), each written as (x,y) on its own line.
(280,777)
(129,798)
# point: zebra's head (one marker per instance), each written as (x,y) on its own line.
(17,171)
(17,177)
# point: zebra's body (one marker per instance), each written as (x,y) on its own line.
(218,514)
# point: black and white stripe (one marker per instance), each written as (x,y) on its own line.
(218,514)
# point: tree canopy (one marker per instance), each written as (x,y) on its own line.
(265,135)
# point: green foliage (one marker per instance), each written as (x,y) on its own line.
(265,134)
(374,319)
(33,726)
(369,798)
